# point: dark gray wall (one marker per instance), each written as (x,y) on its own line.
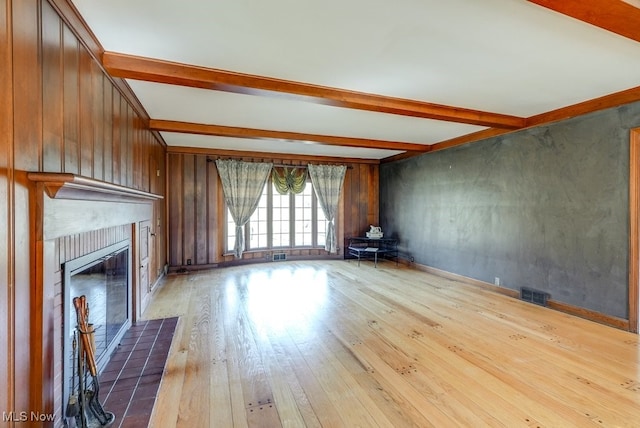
(545,208)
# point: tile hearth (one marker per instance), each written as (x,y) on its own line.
(131,379)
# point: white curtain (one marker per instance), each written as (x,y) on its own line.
(242,183)
(327,183)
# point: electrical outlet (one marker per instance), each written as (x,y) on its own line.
(188,262)
(497,281)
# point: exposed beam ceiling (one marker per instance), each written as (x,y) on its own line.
(154,70)
(407,78)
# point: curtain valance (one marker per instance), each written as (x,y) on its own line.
(289,180)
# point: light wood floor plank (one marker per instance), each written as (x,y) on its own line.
(421,360)
(283,405)
(400,412)
(166,408)
(220,393)
(492,362)
(324,410)
(290,393)
(196,411)
(332,344)
(337,386)
(566,381)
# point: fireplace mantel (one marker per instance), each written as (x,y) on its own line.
(71,186)
(67,204)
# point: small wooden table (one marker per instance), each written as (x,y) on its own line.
(372,248)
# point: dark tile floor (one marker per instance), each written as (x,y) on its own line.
(130,381)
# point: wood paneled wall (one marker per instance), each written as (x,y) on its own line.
(7,373)
(361,185)
(194,210)
(59,112)
(197,216)
(88,126)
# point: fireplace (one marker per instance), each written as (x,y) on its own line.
(85,236)
(103,277)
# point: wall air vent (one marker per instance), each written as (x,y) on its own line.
(279,257)
(534,296)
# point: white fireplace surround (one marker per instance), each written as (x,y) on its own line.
(67,205)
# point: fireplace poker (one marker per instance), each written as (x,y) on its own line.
(73,407)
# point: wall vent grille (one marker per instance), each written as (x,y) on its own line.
(534,296)
(279,257)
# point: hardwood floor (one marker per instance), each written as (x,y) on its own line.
(331,344)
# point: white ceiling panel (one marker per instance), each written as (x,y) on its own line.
(170,102)
(286,147)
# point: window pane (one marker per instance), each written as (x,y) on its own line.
(322,227)
(258,223)
(280,220)
(303,217)
(231,231)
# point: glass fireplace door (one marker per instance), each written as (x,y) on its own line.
(103,277)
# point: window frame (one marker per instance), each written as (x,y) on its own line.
(316,213)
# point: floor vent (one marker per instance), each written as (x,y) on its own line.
(279,257)
(534,296)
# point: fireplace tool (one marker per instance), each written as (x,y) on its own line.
(92,413)
(73,406)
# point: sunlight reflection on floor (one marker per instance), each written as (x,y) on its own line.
(285,299)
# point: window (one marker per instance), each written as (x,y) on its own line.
(282,221)
(281,234)
(322,226)
(231,231)
(303,217)
(257,236)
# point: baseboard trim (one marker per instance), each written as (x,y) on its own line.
(183,269)
(467,280)
(588,314)
(594,316)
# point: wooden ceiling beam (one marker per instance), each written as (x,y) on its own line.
(469,138)
(607,101)
(159,71)
(266,156)
(264,134)
(618,16)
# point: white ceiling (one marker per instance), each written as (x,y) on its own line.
(501,56)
